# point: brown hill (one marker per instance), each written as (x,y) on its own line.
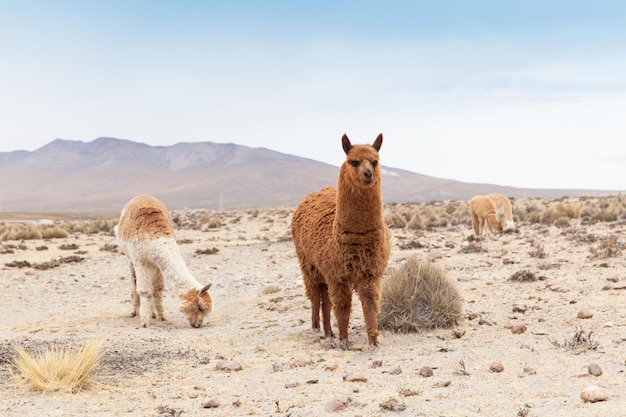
(98,177)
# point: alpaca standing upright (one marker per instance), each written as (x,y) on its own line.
(342,242)
(504,210)
(483,210)
(145,233)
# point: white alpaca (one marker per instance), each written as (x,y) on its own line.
(145,233)
(504,211)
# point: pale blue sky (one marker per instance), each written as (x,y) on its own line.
(527,94)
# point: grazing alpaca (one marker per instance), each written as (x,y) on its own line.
(342,242)
(483,209)
(145,233)
(504,211)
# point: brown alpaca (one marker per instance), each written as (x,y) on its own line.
(342,242)
(483,209)
(504,210)
(145,233)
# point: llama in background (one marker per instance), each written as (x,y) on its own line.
(504,210)
(483,211)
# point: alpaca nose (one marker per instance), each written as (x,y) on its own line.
(367,175)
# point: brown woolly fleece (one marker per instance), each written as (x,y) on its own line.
(145,218)
(342,242)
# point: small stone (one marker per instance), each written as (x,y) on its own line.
(396,371)
(518,329)
(377,364)
(299,363)
(529,370)
(332,367)
(496,367)
(585,314)
(278,368)
(593,393)
(520,308)
(228,366)
(507,261)
(333,406)
(442,384)
(292,385)
(355,378)
(426,371)
(594,369)
(464,278)
(212,403)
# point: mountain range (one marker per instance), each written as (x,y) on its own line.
(100,176)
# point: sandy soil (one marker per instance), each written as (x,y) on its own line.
(261,321)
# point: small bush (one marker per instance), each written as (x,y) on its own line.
(395,221)
(54,232)
(418,296)
(56,369)
(21,231)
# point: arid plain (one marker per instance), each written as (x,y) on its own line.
(257,355)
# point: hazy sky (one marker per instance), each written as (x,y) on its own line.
(520,93)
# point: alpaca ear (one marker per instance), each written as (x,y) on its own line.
(205,288)
(345,142)
(378,142)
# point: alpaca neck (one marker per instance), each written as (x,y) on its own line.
(359,210)
(173,267)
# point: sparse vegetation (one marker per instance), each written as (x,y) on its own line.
(58,368)
(418,296)
(581,341)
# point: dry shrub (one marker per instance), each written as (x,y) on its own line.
(395,221)
(608,247)
(524,275)
(21,231)
(418,296)
(416,222)
(54,232)
(55,368)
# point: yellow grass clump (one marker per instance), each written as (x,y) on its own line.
(418,296)
(58,368)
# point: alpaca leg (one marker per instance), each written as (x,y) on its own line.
(326,306)
(341,298)
(314,296)
(157,299)
(134,297)
(145,279)
(475,222)
(369,294)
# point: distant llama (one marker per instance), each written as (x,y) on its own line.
(145,233)
(483,210)
(504,210)
(342,242)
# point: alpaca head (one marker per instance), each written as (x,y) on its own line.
(361,165)
(196,305)
(494,224)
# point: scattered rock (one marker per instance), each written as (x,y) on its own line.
(299,363)
(594,369)
(496,367)
(464,277)
(228,366)
(377,364)
(355,378)
(212,403)
(396,371)
(585,314)
(594,393)
(426,371)
(278,368)
(442,384)
(520,308)
(332,367)
(292,385)
(518,329)
(333,406)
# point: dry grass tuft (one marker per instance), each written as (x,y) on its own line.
(524,275)
(55,369)
(418,296)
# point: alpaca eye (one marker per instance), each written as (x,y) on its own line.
(200,308)
(374,163)
(354,163)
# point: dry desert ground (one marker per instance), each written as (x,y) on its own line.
(519,350)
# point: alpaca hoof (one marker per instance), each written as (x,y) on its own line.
(144,324)
(344,344)
(316,329)
(374,345)
(133,314)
